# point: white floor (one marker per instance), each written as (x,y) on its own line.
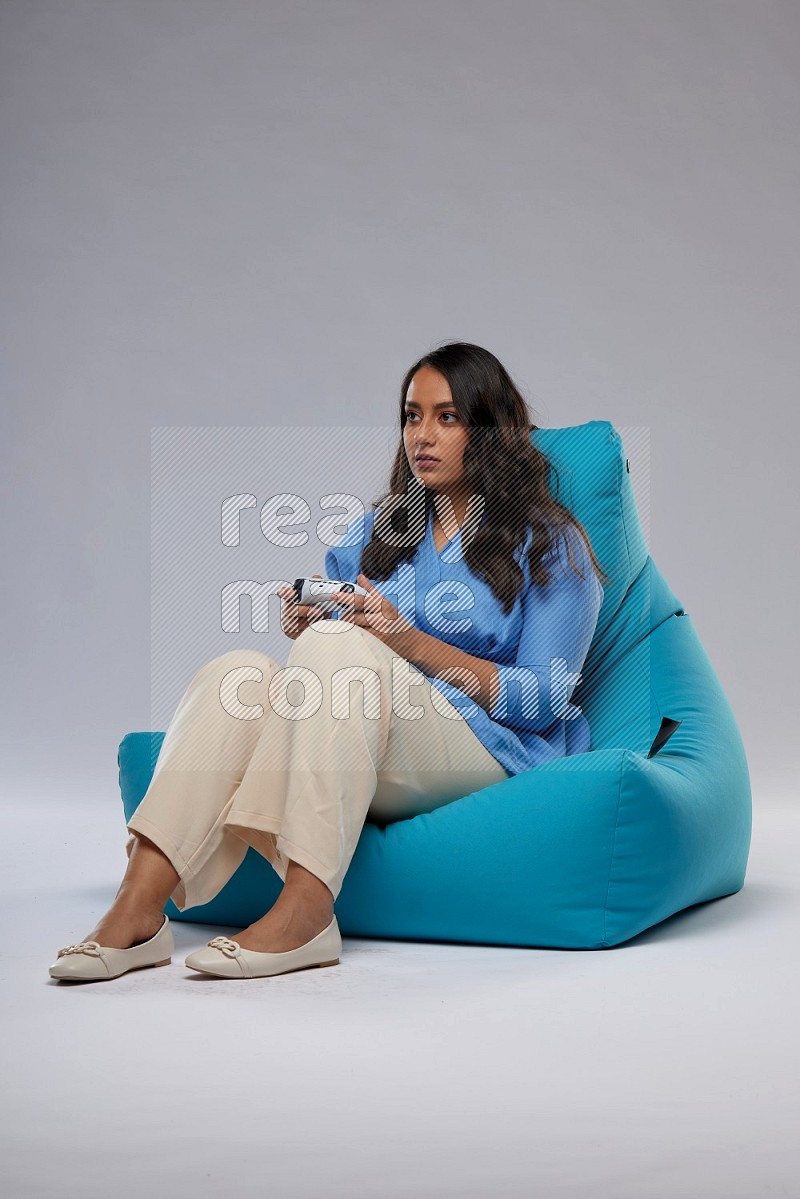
(667,1067)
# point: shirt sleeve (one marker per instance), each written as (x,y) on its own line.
(558,624)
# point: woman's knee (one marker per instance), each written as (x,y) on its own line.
(328,639)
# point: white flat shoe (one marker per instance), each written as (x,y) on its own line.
(88,961)
(227,959)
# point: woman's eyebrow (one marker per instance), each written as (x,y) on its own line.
(444,404)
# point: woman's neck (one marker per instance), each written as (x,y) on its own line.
(459,503)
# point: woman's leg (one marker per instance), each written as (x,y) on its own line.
(392,746)
(137,912)
(179,846)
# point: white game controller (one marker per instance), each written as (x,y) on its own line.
(319,592)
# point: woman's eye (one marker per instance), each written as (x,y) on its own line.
(411,415)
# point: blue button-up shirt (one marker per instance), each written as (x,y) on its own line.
(539,647)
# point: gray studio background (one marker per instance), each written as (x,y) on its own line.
(259,214)
(233,225)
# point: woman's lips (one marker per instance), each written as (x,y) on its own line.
(427,462)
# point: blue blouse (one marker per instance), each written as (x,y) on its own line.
(538,648)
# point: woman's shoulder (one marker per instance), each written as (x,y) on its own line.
(570,547)
(566,542)
(358,530)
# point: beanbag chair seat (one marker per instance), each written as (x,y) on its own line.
(584,852)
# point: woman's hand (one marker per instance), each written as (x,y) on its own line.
(376,613)
(296,617)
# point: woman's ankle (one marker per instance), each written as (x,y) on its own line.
(132,900)
(306,887)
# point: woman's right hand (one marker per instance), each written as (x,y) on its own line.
(296,617)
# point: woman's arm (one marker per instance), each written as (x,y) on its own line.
(435,657)
(558,625)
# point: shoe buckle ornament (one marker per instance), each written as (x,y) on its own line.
(90,947)
(228,947)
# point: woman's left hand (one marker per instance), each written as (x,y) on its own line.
(376,613)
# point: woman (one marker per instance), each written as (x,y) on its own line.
(464,682)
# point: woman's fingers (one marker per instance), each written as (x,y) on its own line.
(296,615)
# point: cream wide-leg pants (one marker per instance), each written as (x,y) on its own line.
(292,760)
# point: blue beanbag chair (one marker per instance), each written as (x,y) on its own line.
(584,852)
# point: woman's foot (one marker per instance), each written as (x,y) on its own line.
(301,912)
(127,924)
(137,912)
(283,929)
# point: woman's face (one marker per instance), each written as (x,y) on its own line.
(434,427)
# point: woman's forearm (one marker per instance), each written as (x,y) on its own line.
(435,657)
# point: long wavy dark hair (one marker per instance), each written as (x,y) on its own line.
(501,463)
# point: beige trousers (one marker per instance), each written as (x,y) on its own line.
(292,760)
